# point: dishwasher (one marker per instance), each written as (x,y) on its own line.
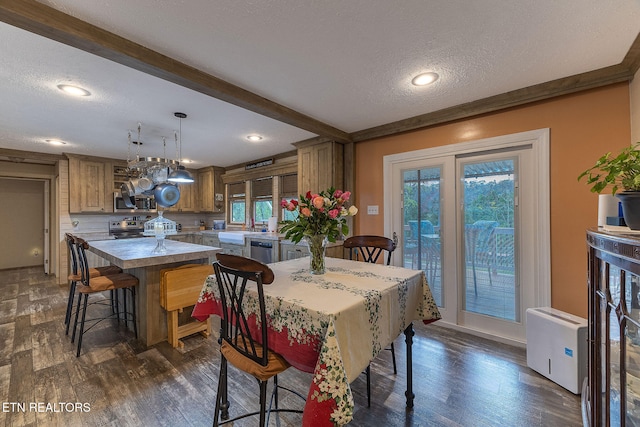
(262,251)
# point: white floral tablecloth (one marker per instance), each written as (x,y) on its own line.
(334,324)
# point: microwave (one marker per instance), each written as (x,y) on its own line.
(142,203)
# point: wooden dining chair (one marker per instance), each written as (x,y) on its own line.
(75,277)
(243,336)
(93,285)
(369,249)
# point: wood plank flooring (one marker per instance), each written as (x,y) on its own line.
(459,379)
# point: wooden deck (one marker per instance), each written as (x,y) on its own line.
(495,297)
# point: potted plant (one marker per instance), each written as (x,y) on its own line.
(619,172)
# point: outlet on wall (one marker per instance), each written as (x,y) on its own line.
(372,210)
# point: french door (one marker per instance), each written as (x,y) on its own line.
(472,217)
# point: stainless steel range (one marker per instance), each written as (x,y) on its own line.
(126,229)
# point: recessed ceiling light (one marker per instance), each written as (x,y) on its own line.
(186,161)
(424,79)
(254,138)
(54,142)
(74,90)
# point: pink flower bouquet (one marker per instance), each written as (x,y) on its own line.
(324,214)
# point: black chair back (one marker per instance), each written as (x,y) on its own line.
(73,259)
(81,247)
(369,248)
(233,273)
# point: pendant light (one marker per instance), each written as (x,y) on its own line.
(180,174)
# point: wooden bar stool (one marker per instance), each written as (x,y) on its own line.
(74,277)
(89,285)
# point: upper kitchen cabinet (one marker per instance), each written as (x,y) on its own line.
(210,189)
(90,182)
(188,196)
(121,174)
(320,165)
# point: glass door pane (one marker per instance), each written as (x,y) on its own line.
(489,275)
(421,221)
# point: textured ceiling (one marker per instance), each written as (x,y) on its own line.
(347,64)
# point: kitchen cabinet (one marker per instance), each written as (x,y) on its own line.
(320,166)
(230,248)
(188,197)
(88,188)
(290,250)
(180,238)
(196,238)
(188,237)
(211,240)
(121,174)
(210,189)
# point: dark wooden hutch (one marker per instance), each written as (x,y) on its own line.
(612,395)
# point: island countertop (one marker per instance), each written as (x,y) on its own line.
(135,256)
(135,253)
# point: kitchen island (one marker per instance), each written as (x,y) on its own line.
(136,256)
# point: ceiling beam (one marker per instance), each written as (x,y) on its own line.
(579,82)
(19,156)
(48,22)
(632,58)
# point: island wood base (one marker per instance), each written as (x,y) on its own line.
(152,318)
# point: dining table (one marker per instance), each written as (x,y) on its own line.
(334,324)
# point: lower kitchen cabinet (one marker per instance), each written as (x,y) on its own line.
(229,248)
(210,240)
(290,250)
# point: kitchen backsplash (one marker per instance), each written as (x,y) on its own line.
(99,223)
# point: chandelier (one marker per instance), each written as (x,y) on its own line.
(156,176)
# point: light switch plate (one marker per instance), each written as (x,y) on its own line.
(372,210)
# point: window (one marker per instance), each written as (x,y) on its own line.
(289,191)
(261,194)
(237,205)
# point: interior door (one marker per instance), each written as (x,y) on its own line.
(47,224)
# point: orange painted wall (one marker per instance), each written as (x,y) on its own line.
(582,127)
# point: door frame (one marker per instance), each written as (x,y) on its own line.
(539,141)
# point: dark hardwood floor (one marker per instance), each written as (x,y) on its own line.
(459,379)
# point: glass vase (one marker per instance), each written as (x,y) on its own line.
(317,245)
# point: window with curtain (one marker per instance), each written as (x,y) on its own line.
(237,204)
(289,191)
(262,198)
